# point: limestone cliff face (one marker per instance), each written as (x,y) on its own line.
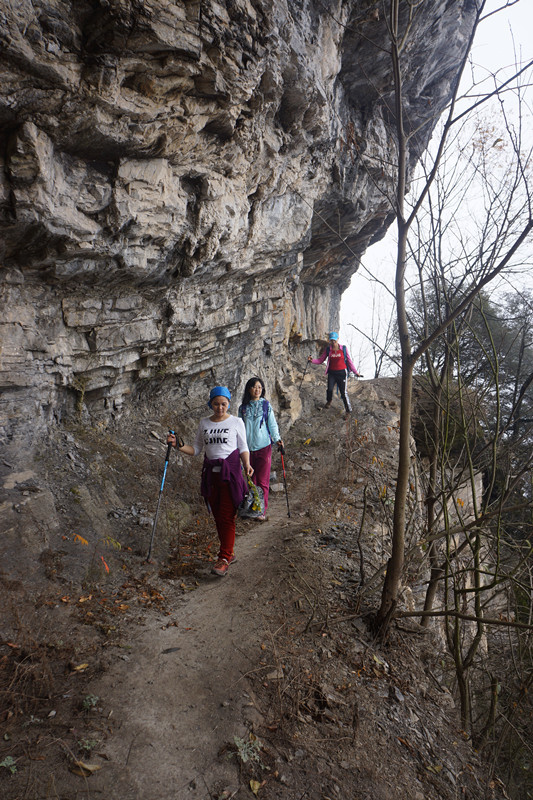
(177,180)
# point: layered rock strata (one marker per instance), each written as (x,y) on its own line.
(186,187)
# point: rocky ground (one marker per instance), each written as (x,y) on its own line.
(122,679)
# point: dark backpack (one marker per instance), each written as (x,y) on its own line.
(264,417)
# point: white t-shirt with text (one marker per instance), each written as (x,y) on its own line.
(220,439)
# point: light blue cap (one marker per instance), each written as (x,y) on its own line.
(219,391)
(334,335)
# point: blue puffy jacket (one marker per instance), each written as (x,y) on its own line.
(261,429)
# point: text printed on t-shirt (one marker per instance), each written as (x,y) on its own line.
(216,435)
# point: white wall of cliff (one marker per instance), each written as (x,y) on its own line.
(185,188)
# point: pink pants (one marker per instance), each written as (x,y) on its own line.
(261,461)
(224,512)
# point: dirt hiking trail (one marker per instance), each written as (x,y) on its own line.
(165,682)
(184,693)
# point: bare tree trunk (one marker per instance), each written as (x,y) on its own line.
(393,576)
(410,356)
(431,499)
(437,386)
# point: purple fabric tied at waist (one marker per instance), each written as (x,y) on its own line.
(230,471)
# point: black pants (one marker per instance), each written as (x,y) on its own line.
(338,377)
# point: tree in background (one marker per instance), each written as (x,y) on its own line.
(463,220)
(480,550)
(506,226)
(468,345)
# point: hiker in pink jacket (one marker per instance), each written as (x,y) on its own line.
(339,365)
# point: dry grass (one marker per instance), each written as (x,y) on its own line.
(26,665)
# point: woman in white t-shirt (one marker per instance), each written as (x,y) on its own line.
(223,438)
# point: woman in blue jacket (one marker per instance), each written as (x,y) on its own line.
(261,431)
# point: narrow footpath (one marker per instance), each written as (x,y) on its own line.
(184,695)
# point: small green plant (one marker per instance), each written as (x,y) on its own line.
(88,745)
(89,702)
(9,764)
(248,750)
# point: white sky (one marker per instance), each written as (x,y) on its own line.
(365,303)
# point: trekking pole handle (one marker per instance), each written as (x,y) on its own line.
(179,442)
(281,449)
(169,445)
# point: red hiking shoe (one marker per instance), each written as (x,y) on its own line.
(221,567)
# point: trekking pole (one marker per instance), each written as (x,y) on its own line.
(282,453)
(169,448)
(303,376)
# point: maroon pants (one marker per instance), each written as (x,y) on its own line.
(261,461)
(224,512)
